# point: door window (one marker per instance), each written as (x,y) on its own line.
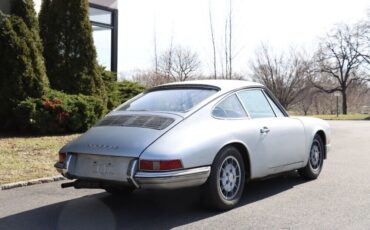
(276,109)
(256,104)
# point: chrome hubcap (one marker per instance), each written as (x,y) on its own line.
(229,177)
(315,155)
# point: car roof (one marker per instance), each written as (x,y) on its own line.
(224,85)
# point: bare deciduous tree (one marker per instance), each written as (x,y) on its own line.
(358,96)
(307,98)
(150,78)
(364,36)
(226,50)
(285,75)
(230,41)
(338,58)
(227,56)
(156,65)
(213,43)
(179,63)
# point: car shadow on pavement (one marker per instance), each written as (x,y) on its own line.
(141,210)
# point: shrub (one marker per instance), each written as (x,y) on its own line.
(22,72)
(111,87)
(57,112)
(119,92)
(129,89)
(69,50)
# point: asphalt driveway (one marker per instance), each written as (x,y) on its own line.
(339,199)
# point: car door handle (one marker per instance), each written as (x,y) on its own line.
(265,130)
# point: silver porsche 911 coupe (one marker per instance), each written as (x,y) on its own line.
(217,134)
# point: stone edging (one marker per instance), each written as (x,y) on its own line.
(31,182)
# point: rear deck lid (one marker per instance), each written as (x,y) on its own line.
(123,134)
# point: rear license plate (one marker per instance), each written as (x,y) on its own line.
(102,167)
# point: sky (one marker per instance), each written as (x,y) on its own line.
(281,24)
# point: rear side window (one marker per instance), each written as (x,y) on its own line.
(229,108)
(256,104)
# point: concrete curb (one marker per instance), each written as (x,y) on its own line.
(31,182)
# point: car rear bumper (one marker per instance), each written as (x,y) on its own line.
(154,180)
(173,179)
(327,149)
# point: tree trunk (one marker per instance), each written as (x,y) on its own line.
(344,102)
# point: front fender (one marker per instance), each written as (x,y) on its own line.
(312,126)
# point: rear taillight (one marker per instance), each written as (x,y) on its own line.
(159,165)
(62,157)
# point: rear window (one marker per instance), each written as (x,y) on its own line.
(169,100)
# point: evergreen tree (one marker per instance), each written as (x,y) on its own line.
(22,72)
(44,18)
(25,9)
(69,49)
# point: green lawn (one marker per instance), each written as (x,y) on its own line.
(356,116)
(25,158)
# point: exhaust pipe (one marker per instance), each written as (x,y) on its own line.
(67,185)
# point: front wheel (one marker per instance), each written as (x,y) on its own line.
(315,161)
(225,184)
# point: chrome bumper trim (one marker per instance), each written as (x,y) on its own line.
(173,179)
(328,147)
(63,167)
(131,172)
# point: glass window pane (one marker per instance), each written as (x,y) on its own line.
(102,16)
(229,108)
(103,44)
(256,104)
(169,100)
(276,109)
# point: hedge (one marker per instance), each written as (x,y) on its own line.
(57,113)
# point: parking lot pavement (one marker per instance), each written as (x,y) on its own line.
(339,199)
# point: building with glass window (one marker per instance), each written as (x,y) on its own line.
(104,20)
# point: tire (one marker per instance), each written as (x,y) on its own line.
(225,185)
(119,191)
(315,160)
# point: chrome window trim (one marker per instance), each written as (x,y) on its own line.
(264,94)
(276,101)
(269,98)
(245,109)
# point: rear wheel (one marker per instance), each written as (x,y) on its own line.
(225,184)
(315,161)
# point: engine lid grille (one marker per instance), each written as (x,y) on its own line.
(140,121)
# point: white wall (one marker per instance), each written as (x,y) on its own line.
(108,3)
